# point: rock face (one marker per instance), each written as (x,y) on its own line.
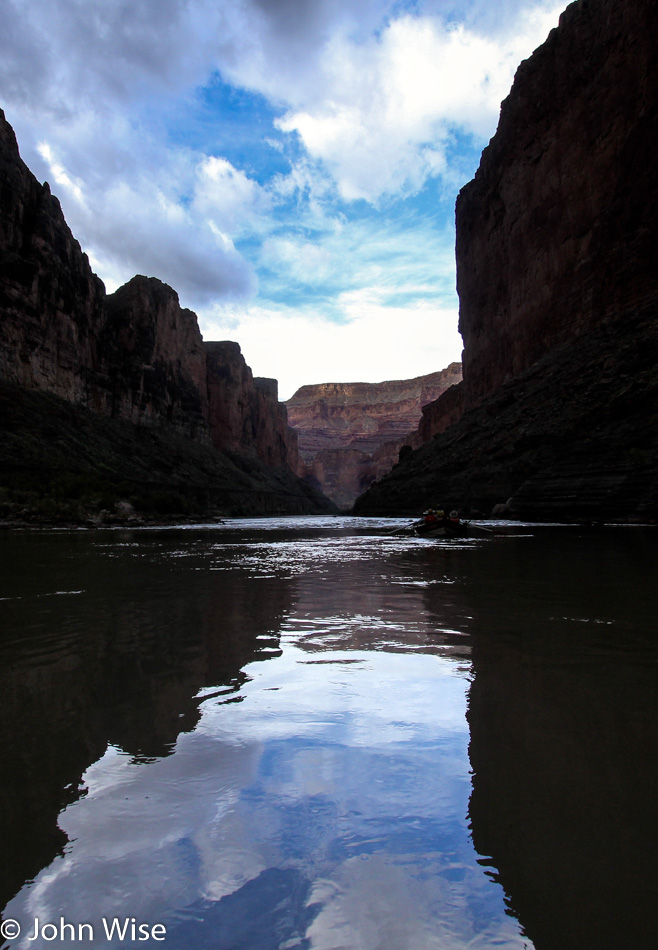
(556,233)
(557,273)
(244,412)
(351,433)
(52,304)
(441,413)
(152,359)
(134,356)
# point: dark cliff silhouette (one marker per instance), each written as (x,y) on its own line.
(557,274)
(117,397)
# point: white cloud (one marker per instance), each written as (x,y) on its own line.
(338,254)
(227,197)
(88,87)
(303,261)
(371,93)
(131,219)
(85,54)
(59,174)
(276,46)
(375,341)
(380,112)
(374,100)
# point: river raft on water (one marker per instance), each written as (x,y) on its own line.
(320,733)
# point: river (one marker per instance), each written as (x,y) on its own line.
(323,733)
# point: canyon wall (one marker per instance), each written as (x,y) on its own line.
(245,414)
(440,414)
(151,365)
(52,304)
(557,273)
(351,433)
(556,232)
(135,356)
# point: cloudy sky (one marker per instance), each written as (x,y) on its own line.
(289,166)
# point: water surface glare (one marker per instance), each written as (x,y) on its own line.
(321,733)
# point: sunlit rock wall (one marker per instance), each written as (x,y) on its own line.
(351,433)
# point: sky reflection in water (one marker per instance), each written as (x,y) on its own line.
(329,773)
(321,799)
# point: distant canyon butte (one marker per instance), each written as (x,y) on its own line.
(350,434)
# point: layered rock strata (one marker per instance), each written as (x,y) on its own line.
(244,411)
(556,232)
(557,268)
(351,433)
(52,304)
(134,356)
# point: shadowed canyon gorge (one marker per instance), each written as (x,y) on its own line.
(286,687)
(116,399)
(117,396)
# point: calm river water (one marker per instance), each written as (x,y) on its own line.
(315,733)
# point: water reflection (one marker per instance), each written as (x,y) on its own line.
(348,803)
(106,643)
(564,731)
(322,799)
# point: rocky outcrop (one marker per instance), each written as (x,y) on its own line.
(557,269)
(62,463)
(52,304)
(351,433)
(151,359)
(245,414)
(556,233)
(574,437)
(134,356)
(439,415)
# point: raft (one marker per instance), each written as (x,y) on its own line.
(440,528)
